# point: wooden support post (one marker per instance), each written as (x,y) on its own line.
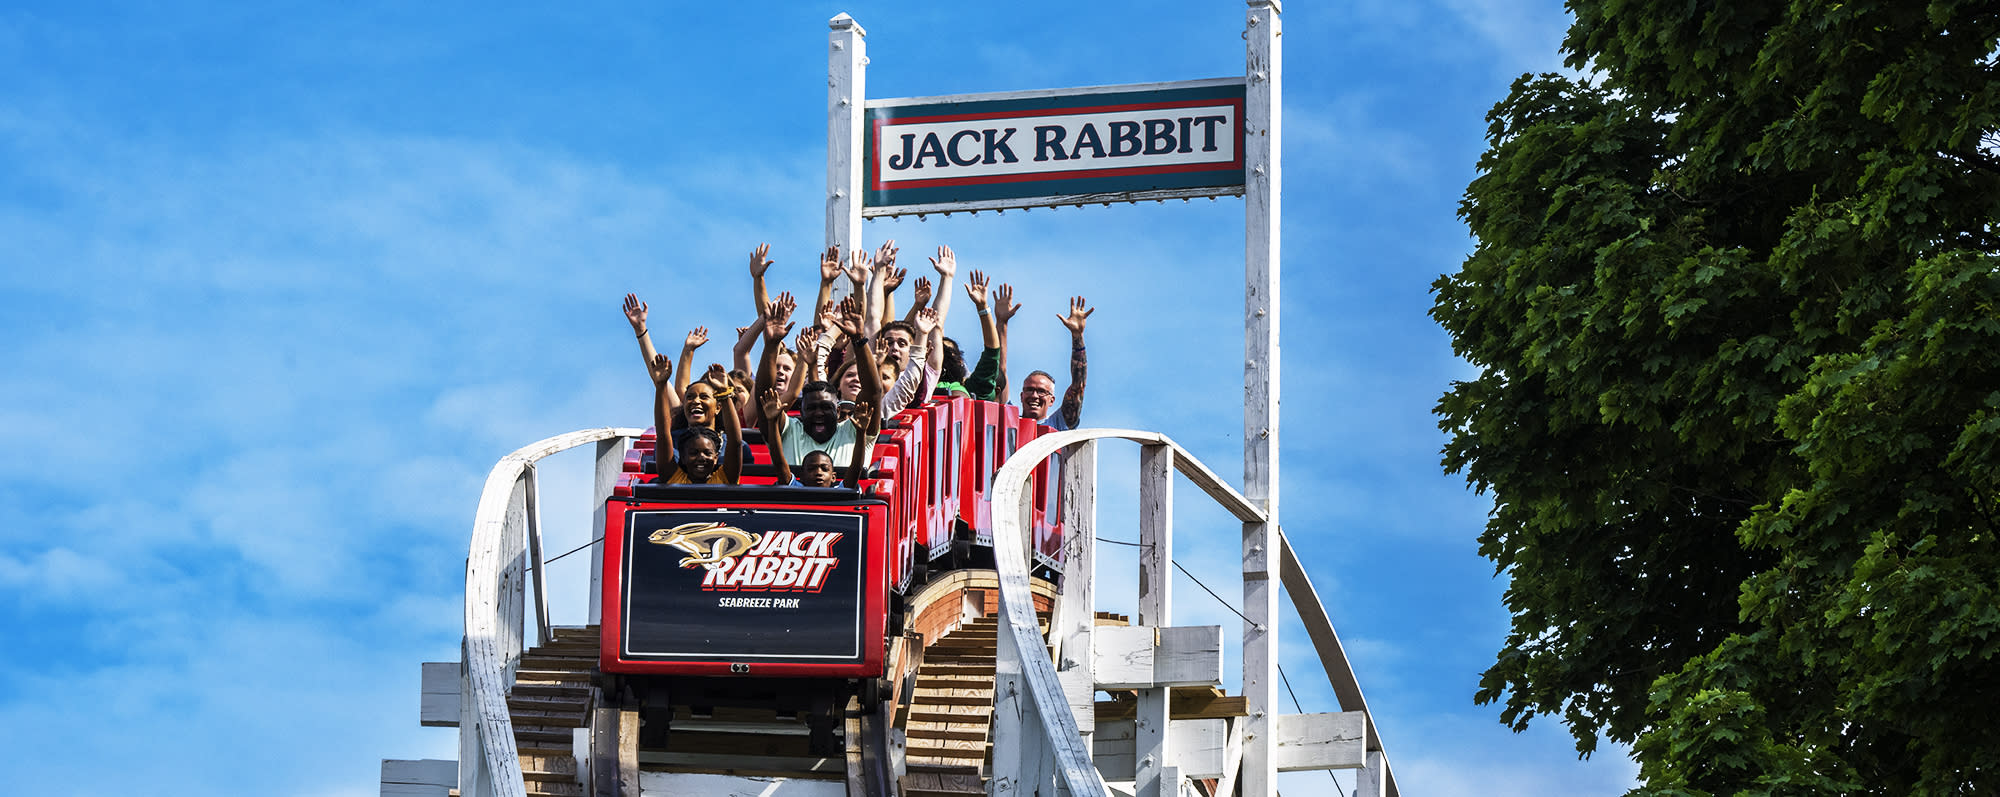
(603,763)
(1012,721)
(1261,194)
(544,632)
(846,91)
(1371,780)
(1156,579)
(1076,611)
(610,462)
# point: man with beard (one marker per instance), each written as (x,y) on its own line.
(1038,390)
(819,427)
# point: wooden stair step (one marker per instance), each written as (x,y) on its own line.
(528,674)
(953,669)
(561,663)
(945,732)
(925,681)
(545,737)
(552,788)
(548,767)
(942,783)
(549,703)
(575,690)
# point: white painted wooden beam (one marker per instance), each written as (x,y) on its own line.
(846,92)
(1076,608)
(438,703)
(1139,657)
(1197,751)
(610,463)
(1156,582)
(422,778)
(1319,741)
(1261,389)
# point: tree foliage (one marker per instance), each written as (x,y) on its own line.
(1736,305)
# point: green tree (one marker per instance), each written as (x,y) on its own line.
(1735,300)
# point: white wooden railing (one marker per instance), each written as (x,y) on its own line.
(506,548)
(1044,704)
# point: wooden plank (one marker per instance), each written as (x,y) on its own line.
(1188,656)
(1232,760)
(602,763)
(1372,780)
(421,772)
(628,753)
(544,633)
(1150,744)
(1075,616)
(1187,703)
(610,463)
(1333,740)
(438,703)
(1263,189)
(1141,657)
(1197,749)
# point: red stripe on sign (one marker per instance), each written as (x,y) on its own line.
(875,136)
(1018,114)
(1078,174)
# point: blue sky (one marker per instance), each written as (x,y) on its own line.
(280,282)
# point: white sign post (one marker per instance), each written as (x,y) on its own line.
(952,153)
(1260,396)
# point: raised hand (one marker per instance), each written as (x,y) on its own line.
(1004,307)
(717,376)
(926,320)
(829,264)
(868,419)
(945,262)
(662,370)
(858,266)
(777,320)
(1076,317)
(892,279)
(759,263)
(698,336)
(786,304)
(807,342)
(847,317)
(772,402)
(922,291)
(743,329)
(885,256)
(635,312)
(975,289)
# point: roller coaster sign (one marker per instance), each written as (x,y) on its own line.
(1040,148)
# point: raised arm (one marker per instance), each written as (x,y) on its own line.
(732,445)
(1072,404)
(746,339)
(1003,312)
(946,264)
(770,406)
(829,270)
(663,433)
(980,382)
(695,339)
(869,423)
(759,263)
(777,322)
(805,355)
